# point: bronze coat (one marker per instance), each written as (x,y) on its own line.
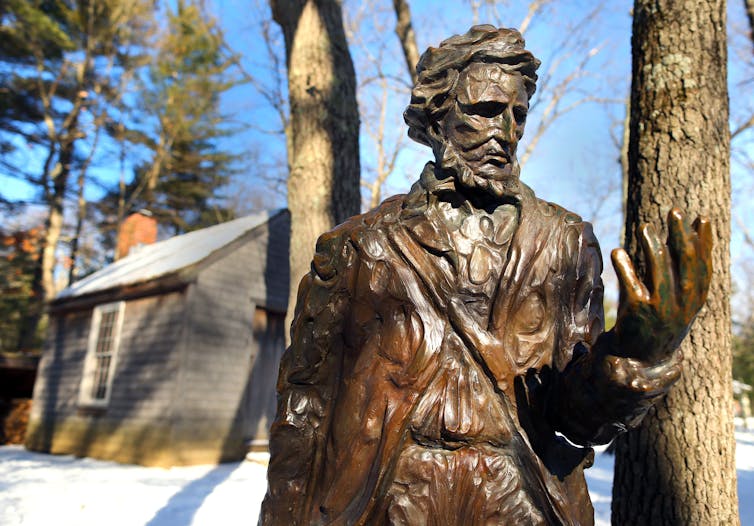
(370,331)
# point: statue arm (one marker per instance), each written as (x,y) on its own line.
(307,369)
(610,387)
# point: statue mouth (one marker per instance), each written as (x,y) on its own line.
(497,161)
(496,167)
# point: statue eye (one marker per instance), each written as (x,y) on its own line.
(519,113)
(465,128)
(487,109)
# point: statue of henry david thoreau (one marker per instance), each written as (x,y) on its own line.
(446,341)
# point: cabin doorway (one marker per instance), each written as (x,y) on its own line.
(268,329)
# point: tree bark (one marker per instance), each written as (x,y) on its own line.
(625,138)
(80,218)
(749,6)
(678,468)
(43,283)
(405,31)
(323,183)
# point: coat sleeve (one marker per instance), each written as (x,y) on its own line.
(598,393)
(306,379)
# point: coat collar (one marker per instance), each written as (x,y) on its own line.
(419,212)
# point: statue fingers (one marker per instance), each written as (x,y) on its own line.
(647,379)
(631,287)
(658,379)
(659,266)
(682,241)
(704,239)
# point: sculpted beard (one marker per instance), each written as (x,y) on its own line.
(452,163)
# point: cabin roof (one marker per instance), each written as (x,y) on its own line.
(167,257)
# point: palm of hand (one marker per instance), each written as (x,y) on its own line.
(654,315)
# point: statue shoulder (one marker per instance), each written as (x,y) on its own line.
(550,214)
(357,235)
(576,236)
(563,218)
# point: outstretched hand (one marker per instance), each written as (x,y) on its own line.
(654,315)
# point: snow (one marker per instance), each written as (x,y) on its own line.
(600,480)
(166,257)
(38,489)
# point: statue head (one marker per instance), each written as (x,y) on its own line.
(470,104)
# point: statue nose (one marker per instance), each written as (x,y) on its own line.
(501,145)
(512,128)
(507,131)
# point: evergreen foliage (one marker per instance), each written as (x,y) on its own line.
(182,181)
(81,79)
(18,257)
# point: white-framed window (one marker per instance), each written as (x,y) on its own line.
(101,354)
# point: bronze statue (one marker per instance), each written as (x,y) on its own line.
(445,342)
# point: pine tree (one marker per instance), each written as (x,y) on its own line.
(19,251)
(62,63)
(29,32)
(187,169)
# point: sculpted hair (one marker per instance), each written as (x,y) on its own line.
(439,68)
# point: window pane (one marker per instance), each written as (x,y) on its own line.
(101,354)
(99,387)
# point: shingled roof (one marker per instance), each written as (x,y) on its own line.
(164,258)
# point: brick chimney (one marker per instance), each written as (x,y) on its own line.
(138,229)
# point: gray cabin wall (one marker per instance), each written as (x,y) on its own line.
(276,274)
(135,426)
(56,390)
(220,350)
(148,360)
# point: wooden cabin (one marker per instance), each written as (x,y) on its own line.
(168,356)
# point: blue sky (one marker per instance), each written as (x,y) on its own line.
(578,143)
(573,164)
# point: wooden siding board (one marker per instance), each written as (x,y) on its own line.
(221,351)
(148,358)
(142,388)
(59,375)
(184,362)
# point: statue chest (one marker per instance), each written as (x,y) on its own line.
(480,242)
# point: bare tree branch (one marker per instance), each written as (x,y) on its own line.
(535,6)
(748,237)
(743,127)
(405,31)
(556,96)
(475,5)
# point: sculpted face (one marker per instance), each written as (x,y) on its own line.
(483,127)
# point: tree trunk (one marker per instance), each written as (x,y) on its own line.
(405,31)
(52,236)
(749,6)
(43,283)
(80,217)
(625,137)
(81,204)
(323,184)
(678,468)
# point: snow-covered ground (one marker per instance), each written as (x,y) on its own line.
(38,489)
